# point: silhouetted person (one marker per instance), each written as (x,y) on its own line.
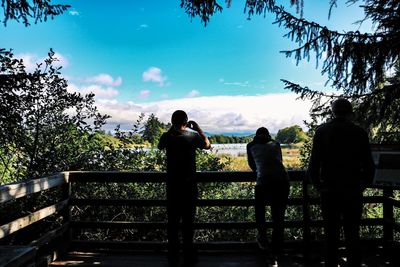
(340,167)
(181,145)
(272,187)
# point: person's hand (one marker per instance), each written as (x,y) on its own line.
(194,126)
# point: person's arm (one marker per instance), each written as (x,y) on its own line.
(279,152)
(194,126)
(314,167)
(250,159)
(368,164)
(162,144)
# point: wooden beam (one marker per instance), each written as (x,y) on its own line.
(23,222)
(119,202)
(22,189)
(49,236)
(163,202)
(163,225)
(158,177)
(393,201)
(13,256)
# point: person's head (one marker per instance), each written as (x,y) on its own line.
(179,118)
(341,108)
(262,131)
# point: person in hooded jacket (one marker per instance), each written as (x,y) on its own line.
(272,187)
(341,166)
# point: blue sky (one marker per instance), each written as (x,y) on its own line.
(148,56)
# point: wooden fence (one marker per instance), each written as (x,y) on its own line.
(67,181)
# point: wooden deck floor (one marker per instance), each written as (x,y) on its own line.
(205,260)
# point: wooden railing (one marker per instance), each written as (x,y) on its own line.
(67,181)
(32,244)
(304,201)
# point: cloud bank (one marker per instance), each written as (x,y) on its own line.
(217,114)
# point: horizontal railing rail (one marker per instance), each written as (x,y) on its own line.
(22,189)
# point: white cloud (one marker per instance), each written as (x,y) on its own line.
(217,114)
(143,26)
(62,61)
(74,13)
(104,79)
(31,60)
(154,74)
(99,91)
(241,84)
(193,93)
(144,93)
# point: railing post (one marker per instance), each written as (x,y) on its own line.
(66,212)
(306,218)
(388,215)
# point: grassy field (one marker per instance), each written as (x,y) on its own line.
(291,159)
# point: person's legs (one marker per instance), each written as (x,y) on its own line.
(351,223)
(260,198)
(331,215)
(189,212)
(173,216)
(279,193)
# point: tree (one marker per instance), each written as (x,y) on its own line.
(45,128)
(357,64)
(153,128)
(290,135)
(25,10)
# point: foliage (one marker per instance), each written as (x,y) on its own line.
(225,139)
(44,127)
(133,137)
(153,128)
(305,149)
(205,9)
(290,135)
(24,10)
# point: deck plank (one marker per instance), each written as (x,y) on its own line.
(213,259)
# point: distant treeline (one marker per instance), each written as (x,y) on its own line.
(225,139)
(288,135)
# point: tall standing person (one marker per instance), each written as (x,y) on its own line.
(340,167)
(272,188)
(181,145)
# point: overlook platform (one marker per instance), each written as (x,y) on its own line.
(41,223)
(205,259)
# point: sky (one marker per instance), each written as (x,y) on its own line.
(149,56)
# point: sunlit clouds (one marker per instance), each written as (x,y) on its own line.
(193,93)
(102,85)
(217,114)
(154,74)
(104,79)
(31,60)
(144,94)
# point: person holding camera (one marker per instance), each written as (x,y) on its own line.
(180,145)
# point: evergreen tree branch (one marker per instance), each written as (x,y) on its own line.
(38,10)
